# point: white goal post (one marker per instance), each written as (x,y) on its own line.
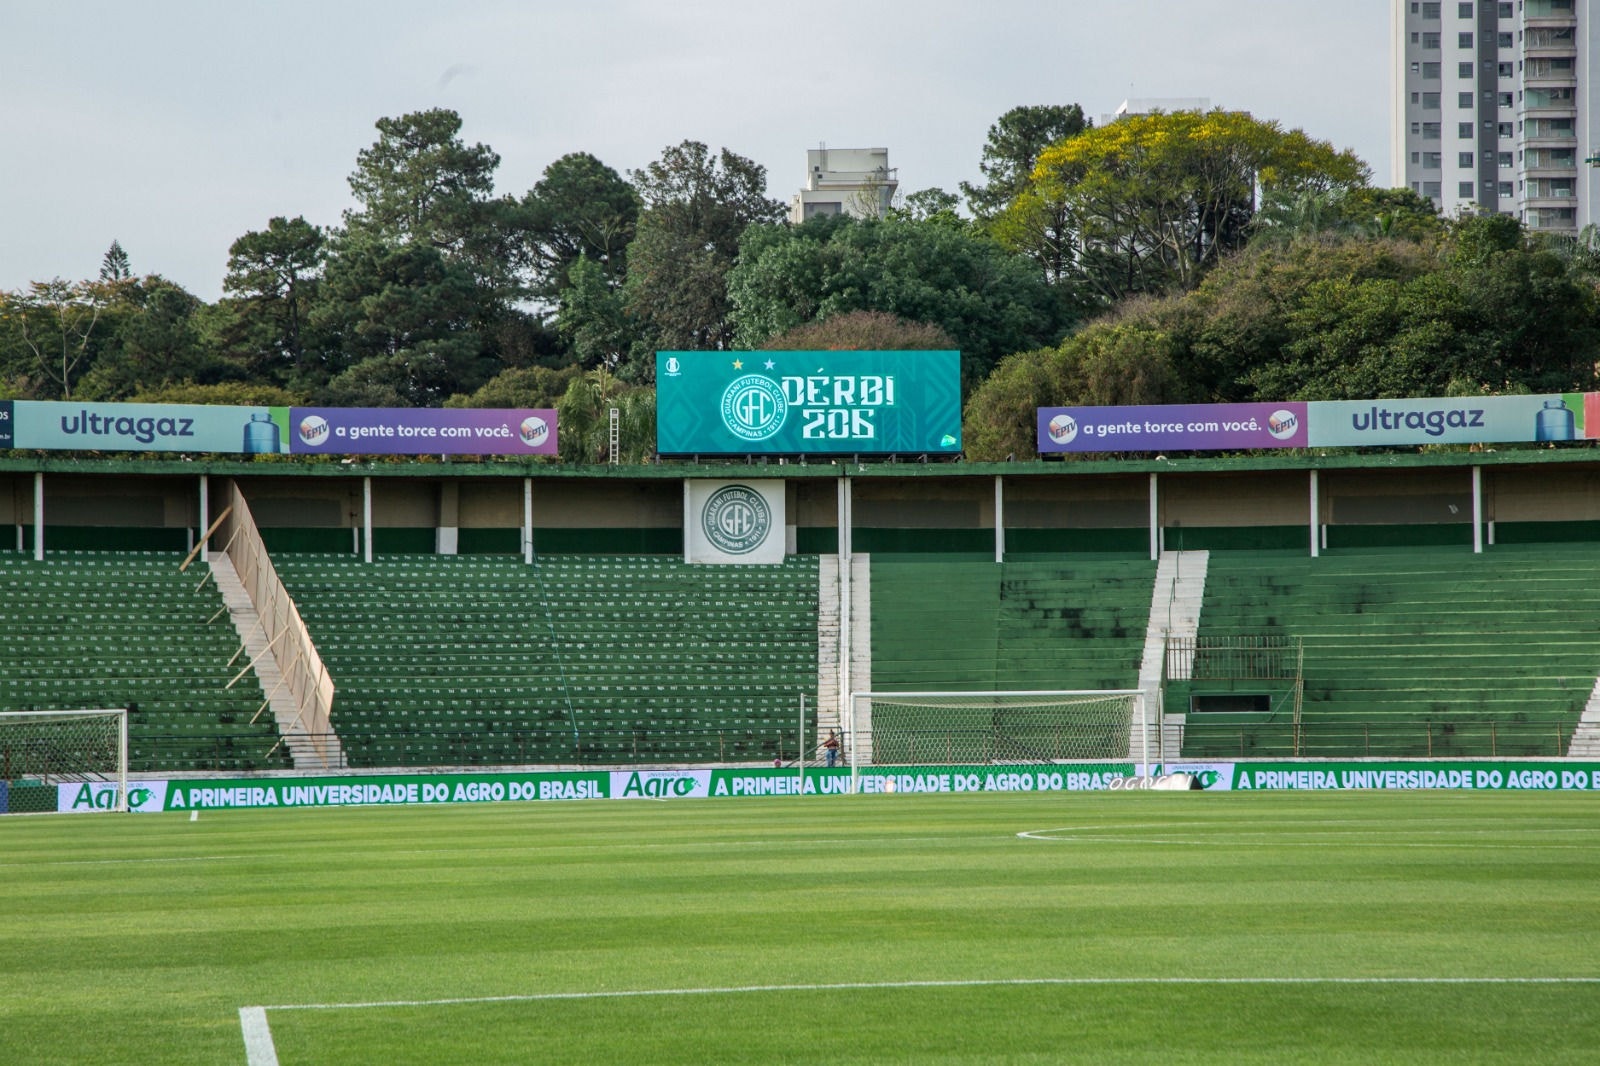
(1008,726)
(40,750)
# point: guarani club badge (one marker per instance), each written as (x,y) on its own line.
(753,407)
(736,519)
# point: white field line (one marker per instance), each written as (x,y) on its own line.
(857,986)
(259,1049)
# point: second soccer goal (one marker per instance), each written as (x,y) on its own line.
(1006,727)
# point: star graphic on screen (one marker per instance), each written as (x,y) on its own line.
(770,364)
(738,364)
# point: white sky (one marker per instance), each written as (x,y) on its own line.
(175,126)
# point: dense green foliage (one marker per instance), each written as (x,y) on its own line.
(1479,308)
(1400,927)
(1167,257)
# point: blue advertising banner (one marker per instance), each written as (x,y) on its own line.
(148,427)
(1172,427)
(1476,420)
(815,402)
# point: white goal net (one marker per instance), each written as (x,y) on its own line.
(42,750)
(979,728)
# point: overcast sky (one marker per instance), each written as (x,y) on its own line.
(175,126)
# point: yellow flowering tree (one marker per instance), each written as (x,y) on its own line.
(1150,202)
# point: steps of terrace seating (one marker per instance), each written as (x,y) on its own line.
(1077,623)
(468,660)
(1411,652)
(127,629)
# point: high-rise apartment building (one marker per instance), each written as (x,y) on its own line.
(1496,107)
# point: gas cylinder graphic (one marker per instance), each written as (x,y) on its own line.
(1555,422)
(261,435)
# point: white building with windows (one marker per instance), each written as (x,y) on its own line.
(1495,107)
(849,181)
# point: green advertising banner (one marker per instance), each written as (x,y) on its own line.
(808,403)
(514,787)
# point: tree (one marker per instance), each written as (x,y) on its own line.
(420,183)
(869,331)
(1108,363)
(531,386)
(151,340)
(584,417)
(403,324)
(696,209)
(55,321)
(115,266)
(580,208)
(273,274)
(592,319)
(990,301)
(930,205)
(1153,201)
(1012,150)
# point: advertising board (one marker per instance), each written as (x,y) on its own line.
(1319,424)
(808,403)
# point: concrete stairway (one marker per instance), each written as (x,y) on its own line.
(252,634)
(1175,601)
(1586,738)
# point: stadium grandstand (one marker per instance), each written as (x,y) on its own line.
(275,616)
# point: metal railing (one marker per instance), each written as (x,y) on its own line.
(1208,736)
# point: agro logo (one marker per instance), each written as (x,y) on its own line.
(753,407)
(657,786)
(313,430)
(736,519)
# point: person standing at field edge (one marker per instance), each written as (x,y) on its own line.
(831,746)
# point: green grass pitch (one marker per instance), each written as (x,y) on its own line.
(1034,928)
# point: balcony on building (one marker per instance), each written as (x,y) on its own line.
(1549,13)
(1550,219)
(1550,163)
(1550,42)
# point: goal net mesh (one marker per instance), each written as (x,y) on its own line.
(40,750)
(967,728)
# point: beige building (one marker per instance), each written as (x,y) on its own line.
(845,181)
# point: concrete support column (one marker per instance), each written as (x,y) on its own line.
(999,519)
(1316,515)
(1155,517)
(366,519)
(38,516)
(447,537)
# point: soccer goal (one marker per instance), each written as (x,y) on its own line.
(42,750)
(979,728)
